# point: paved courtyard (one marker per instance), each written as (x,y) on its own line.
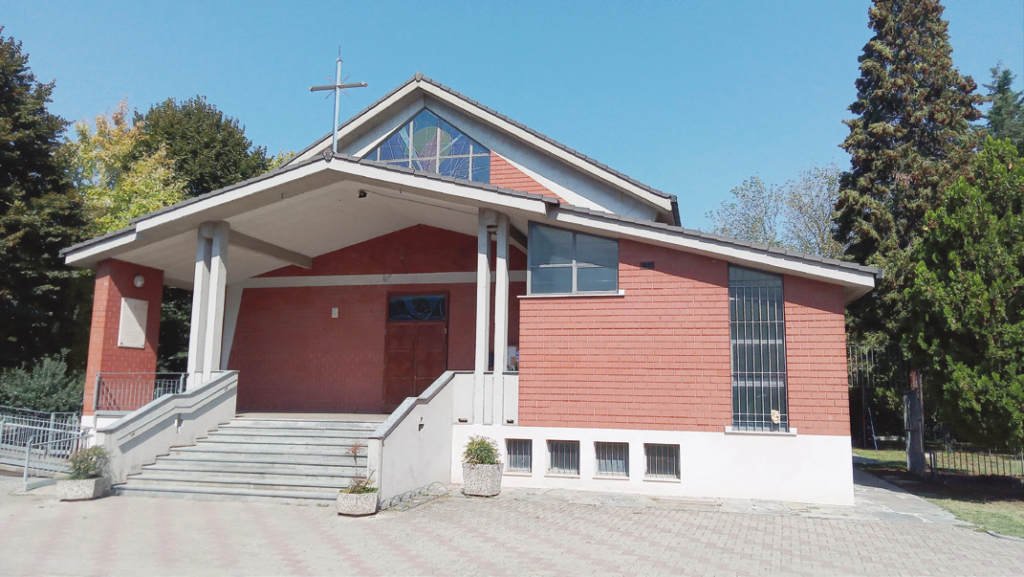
(519,532)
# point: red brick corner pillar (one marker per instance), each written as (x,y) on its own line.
(110,349)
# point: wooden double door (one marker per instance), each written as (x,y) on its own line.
(416,345)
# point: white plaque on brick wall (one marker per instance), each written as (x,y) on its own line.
(132,332)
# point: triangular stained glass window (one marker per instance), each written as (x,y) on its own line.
(429,143)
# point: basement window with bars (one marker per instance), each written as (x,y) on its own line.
(612,459)
(567,262)
(757,334)
(520,456)
(564,458)
(662,461)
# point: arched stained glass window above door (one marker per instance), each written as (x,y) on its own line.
(429,143)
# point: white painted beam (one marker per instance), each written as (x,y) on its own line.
(483,313)
(268,249)
(501,294)
(200,291)
(215,301)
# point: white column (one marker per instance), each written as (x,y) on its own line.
(215,301)
(200,292)
(500,318)
(483,314)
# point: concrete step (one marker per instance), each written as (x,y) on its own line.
(301,424)
(258,462)
(220,454)
(228,494)
(346,441)
(250,483)
(234,446)
(339,470)
(219,476)
(228,430)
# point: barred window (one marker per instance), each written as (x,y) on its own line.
(520,456)
(564,458)
(662,461)
(612,459)
(757,334)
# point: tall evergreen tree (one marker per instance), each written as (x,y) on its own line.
(1005,119)
(38,217)
(910,139)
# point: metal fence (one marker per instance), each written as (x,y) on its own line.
(125,392)
(877,377)
(41,452)
(972,460)
(31,418)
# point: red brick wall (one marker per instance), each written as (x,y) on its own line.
(657,358)
(816,355)
(294,357)
(505,175)
(114,281)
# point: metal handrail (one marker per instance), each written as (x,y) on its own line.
(55,461)
(126,392)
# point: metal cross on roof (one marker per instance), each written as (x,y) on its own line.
(338,86)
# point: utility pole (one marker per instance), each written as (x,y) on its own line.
(338,86)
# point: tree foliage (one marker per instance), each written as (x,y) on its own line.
(911,138)
(41,304)
(209,149)
(1005,119)
(966,299)
(47,385)
(796,215)
(117,179)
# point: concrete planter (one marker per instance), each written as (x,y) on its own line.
(481,480)
(82,489)
(357,504)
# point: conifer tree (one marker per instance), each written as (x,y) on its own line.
(38,217)
(1005,119)
(911,138)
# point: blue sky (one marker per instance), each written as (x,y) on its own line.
(689,97)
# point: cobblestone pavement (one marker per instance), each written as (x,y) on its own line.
(519,532)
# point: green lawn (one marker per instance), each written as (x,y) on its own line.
(991,504)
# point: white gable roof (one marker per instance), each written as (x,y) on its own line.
(404,97)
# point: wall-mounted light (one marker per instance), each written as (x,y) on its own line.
(362,194)
(138,281)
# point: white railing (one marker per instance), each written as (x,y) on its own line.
(175,420)
(412,448)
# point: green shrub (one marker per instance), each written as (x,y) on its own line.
(88,463)
(481,451)
(47,386)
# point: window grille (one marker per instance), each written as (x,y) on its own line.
(429,143)
(662,461)
(520,456)
(565,262)
(612,459)
(757,334)
(564,457)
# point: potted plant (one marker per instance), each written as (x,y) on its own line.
(481,469)
(86,480)
(359,498)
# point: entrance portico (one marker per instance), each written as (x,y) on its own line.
(295,290)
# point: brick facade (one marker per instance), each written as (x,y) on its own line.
(505,175)
(659,357)
(294,357)
(114,281)
(656,358)
(816,355)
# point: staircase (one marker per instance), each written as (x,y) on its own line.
(255,459)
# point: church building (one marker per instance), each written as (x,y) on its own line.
(450,272)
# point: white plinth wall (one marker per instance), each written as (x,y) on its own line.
(798,468)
